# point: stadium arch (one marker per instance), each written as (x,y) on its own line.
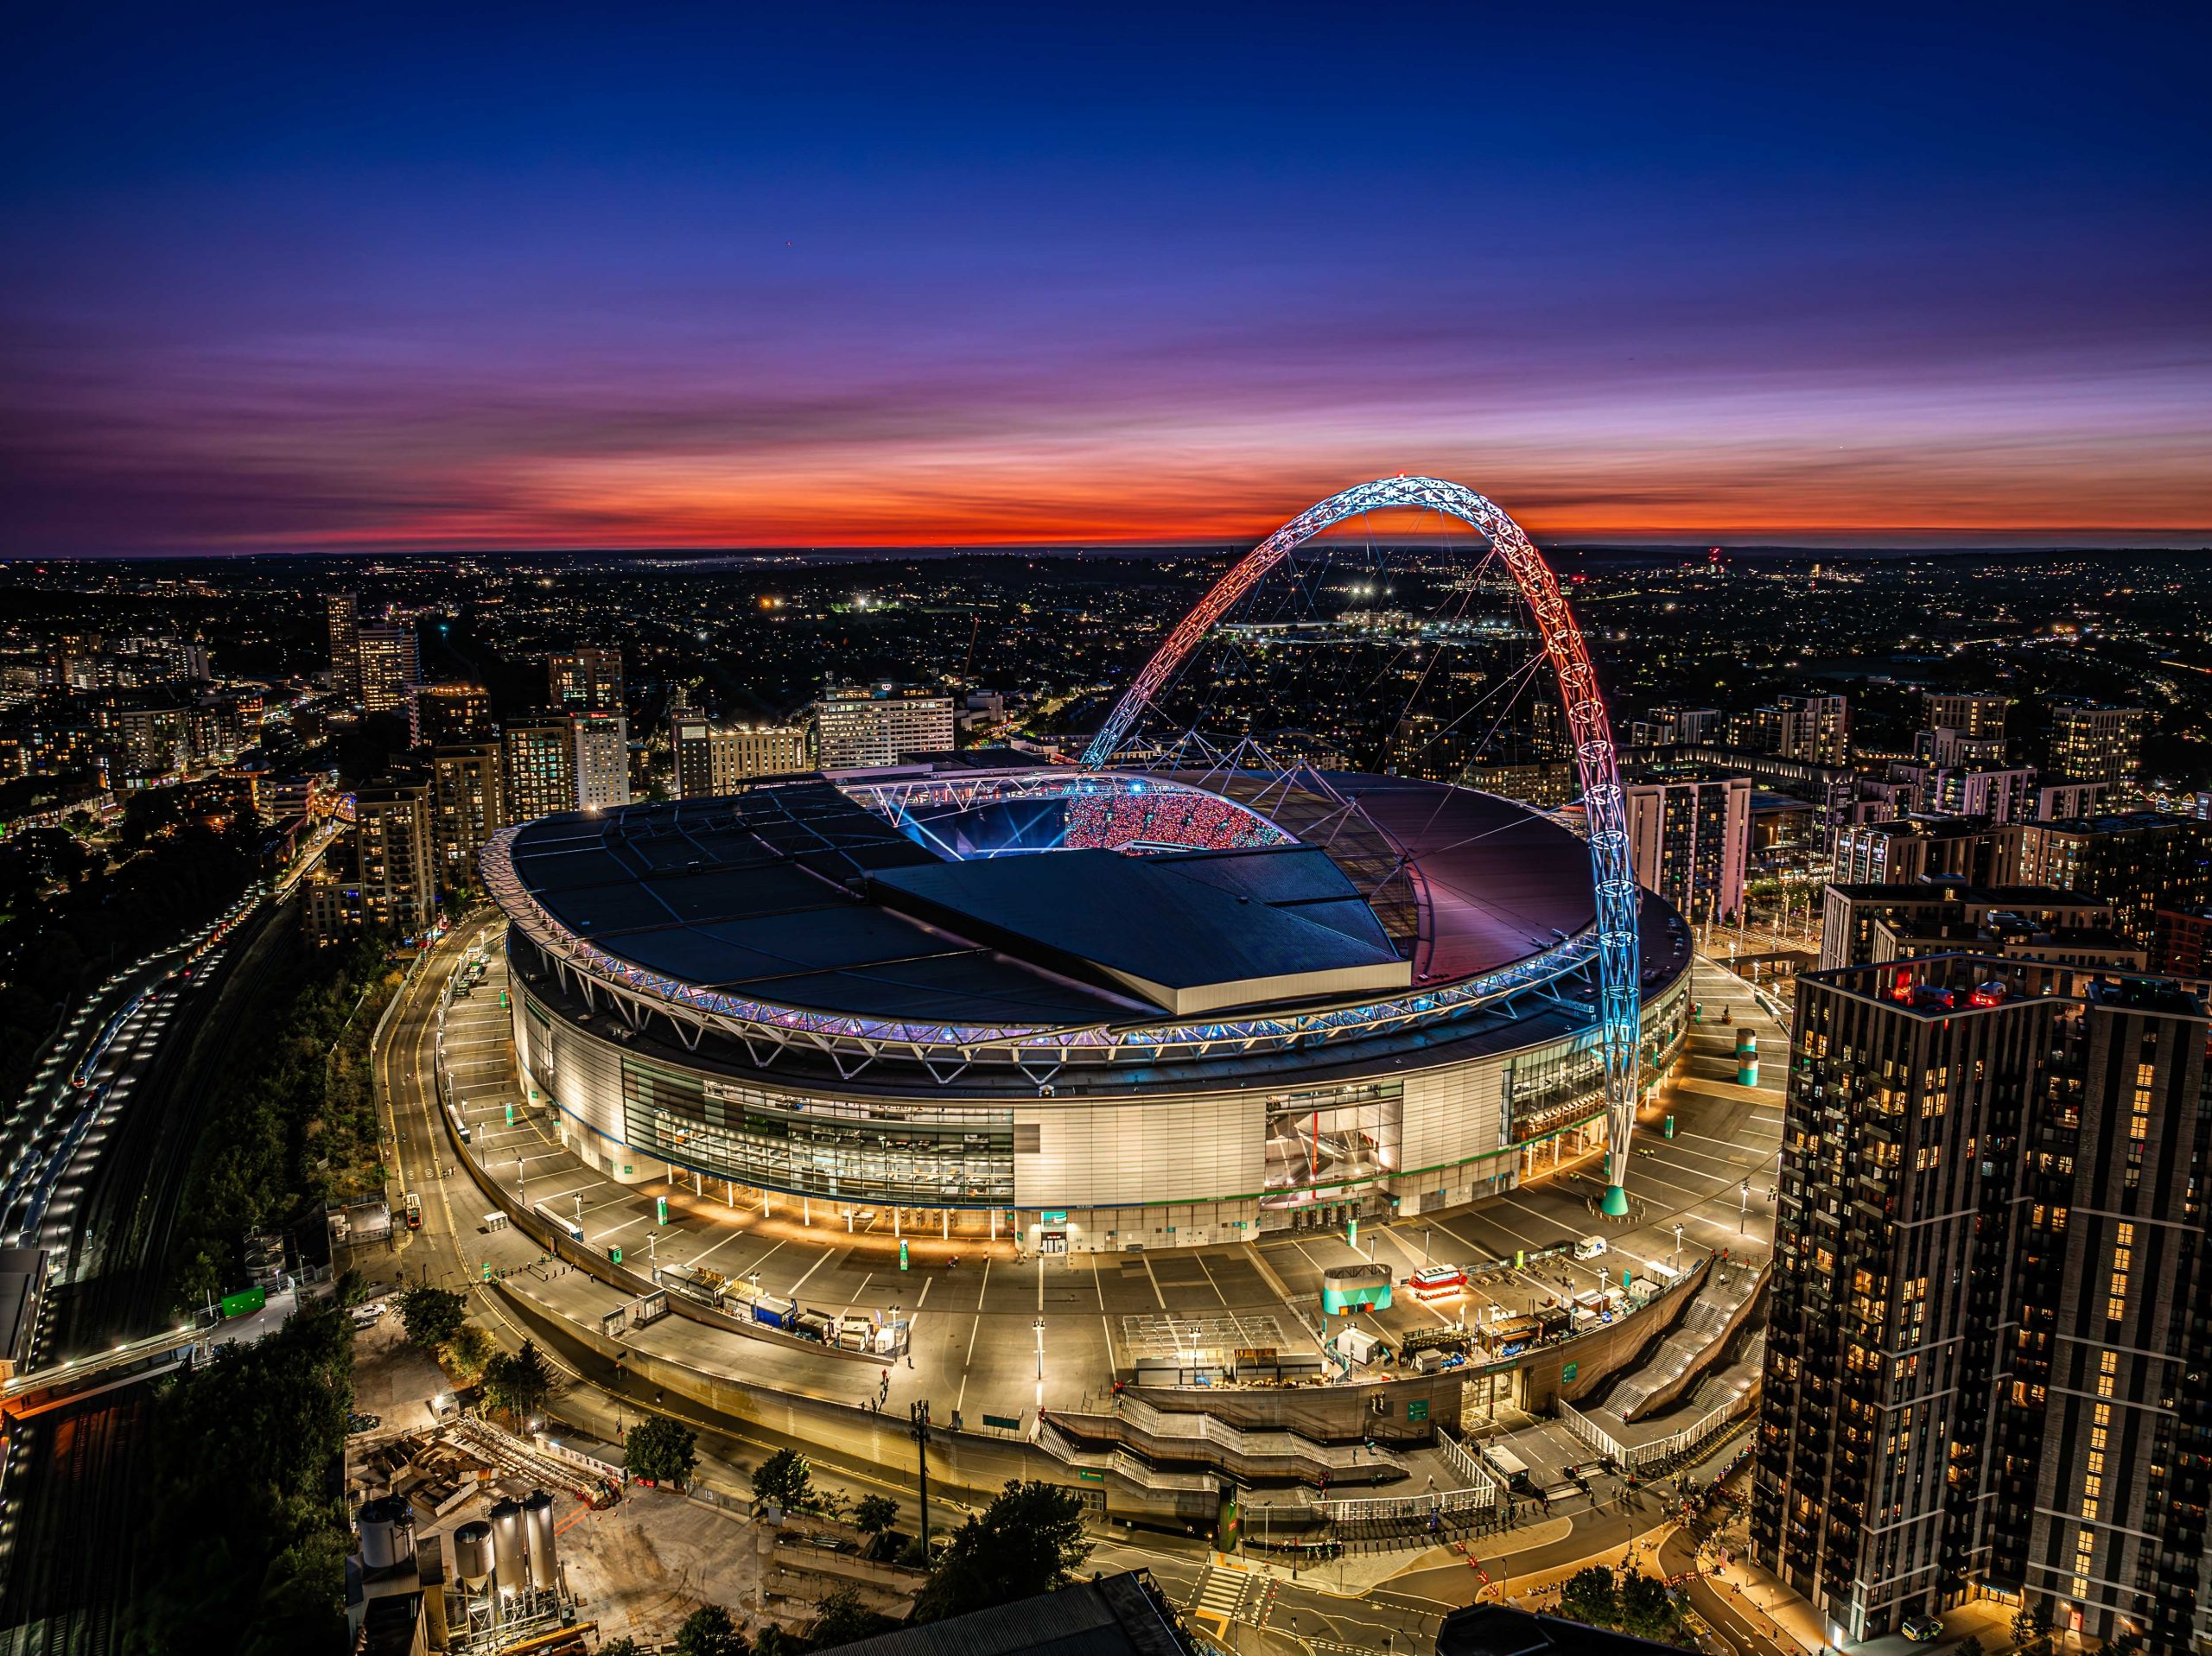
(1596,764)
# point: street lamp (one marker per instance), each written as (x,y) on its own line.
(1039,1324)
(1424,1248)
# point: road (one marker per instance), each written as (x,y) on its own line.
(75,1479)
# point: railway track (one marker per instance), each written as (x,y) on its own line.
(75,1481)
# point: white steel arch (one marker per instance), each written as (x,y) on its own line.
(1611,874)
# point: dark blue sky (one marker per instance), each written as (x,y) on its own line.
(956,274)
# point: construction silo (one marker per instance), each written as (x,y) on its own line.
(510,1551)
(537,1526)
(387,1532)
(472,1555)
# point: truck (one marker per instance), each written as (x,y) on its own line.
(773,1312)
(1590,1247)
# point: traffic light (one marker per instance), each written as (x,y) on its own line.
(902,1256)
(660,1211)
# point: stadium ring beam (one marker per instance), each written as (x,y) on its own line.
(1596,765)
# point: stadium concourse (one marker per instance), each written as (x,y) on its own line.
(998,1330)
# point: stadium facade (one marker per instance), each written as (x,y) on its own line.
(1102,1008)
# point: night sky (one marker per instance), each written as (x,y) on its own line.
(350,276)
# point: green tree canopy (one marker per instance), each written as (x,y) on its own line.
(431,1315)
(663,1451)
(1590,1598)
(872,1514)
(1029,1540)
(519,1383)
(784,1478)
(842,1618)
(707,1630)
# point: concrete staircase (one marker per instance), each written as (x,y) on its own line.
(1160,1438)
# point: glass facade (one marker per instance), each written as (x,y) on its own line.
(1327,1143)
(920,1154)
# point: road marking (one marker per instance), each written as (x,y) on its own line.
(810,1270)
(1150,1275)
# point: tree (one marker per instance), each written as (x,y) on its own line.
(1646,1608)
(842,1619)
(784,1478)
(661,1449)
(1590,1598)
(1029,1540)
(467,1352)
(2031,1625)
(707,1630)
(624,1645)
(431,1315)
(874,1514)
(519,1384)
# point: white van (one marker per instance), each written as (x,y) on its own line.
(1590,1247)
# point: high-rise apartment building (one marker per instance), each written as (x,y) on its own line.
(395,857)
(2090,744)
(2138,861)
(1989,1362)
(1976,713)
(467,806)
(342,616)
(712,759)
(390,666)
(439,714)
(858,726)
(1906,849)
(1863,925)
(1668,725)
(1690,840)
(602,760)
(540,762)
(586,681)
(1815,729)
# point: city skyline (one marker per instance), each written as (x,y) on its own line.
(999,279)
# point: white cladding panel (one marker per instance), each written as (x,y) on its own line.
(1101,1155)
(1451,1115)
(586,1077)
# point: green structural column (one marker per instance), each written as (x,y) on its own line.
(1615,1202)
(1747,1059)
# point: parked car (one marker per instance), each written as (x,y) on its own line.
(366,1316)
(1922,1629)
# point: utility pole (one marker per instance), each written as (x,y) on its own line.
(919,1410)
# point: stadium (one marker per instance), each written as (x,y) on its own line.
(1093,1006)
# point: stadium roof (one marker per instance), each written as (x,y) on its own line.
(797,895)
(1194,932)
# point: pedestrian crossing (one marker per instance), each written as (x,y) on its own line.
(1222,1593)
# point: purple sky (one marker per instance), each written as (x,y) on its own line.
(954,274)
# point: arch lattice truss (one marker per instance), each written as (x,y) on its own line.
(1595,763)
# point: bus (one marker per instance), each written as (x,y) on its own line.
(460,1122)
(414,1211)
(566,1224)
